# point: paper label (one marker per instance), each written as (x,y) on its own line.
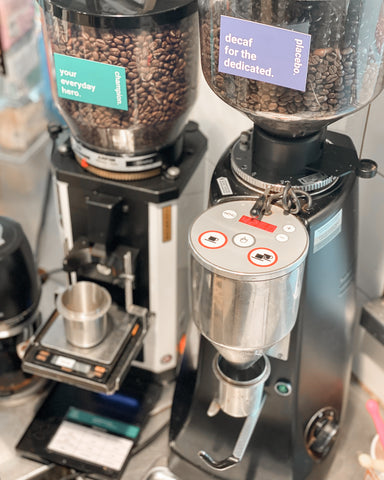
(91,445)
(261,52)
(328,232)
(91,82)
(224,185)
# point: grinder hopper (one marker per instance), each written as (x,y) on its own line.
(293,66)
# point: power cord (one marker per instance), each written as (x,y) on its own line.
(54,132)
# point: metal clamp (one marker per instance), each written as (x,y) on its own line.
(289,198)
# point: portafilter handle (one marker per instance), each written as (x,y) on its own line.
(241,444)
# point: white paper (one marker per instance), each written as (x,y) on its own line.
(90,445)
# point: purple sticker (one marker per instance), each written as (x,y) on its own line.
(261,52)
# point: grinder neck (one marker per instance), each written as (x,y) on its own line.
(276,158)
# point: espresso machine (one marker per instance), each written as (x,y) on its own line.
(127,179)
(263,385)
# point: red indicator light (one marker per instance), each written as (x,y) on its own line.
(84,163)
(253,222)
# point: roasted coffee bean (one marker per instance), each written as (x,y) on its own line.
(161,81)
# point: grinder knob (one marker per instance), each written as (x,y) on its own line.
(366,169)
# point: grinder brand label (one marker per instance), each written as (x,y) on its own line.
(328,231)
(261,52)
(91,82)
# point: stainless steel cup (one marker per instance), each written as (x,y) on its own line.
(84,307)
(241,391)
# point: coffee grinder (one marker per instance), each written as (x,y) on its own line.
(264,382)
(19,314)
(128,183)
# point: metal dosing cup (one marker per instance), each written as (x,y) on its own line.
(84,308)
(241,390)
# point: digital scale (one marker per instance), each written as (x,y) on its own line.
(100,368)
(88,431)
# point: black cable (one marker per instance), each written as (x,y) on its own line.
(43,216)
(54,131)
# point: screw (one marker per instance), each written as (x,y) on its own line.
(63,148)
(173,173)
(166,359)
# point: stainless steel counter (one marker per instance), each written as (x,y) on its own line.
(14,417)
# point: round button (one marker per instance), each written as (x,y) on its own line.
(289,228)
(212,239)
(282,237)
(262,257)
(244,240)
(229,214)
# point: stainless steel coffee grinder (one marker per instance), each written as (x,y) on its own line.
(128,182)
(264,382)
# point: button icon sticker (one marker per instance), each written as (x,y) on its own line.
(262,257)
(289,228)
(229,214)
(244,240)
(212,239)
(282,237)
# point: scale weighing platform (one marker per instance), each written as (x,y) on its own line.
(100,368)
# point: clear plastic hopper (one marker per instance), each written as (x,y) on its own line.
(124,73)
(293,66)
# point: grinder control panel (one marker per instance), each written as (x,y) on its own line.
(226,239)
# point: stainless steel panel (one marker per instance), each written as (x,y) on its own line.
(242,318)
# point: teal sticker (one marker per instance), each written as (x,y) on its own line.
(91,82)
(108,424)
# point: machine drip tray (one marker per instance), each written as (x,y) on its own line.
(100,368)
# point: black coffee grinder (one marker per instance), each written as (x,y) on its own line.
(19,315)
(260,396)
(128,179)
